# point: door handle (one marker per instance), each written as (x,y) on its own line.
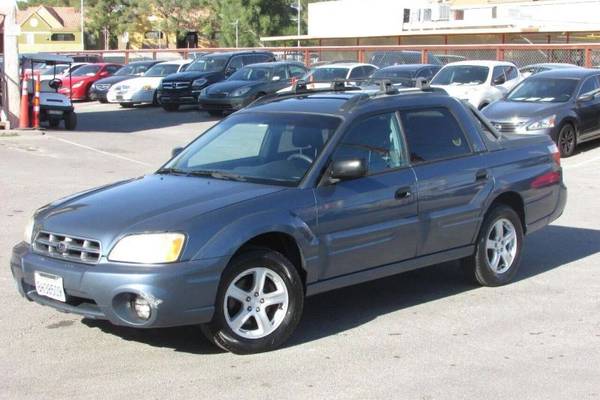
(481,175)
(402,193)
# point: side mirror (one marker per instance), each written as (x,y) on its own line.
(176,151)
(347,169)
(501,80)
(229,71)
(276,78)
(55,83)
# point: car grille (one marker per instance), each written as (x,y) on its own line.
(507,127)
(67,247)
(219,95)
(176,85)
(103,86)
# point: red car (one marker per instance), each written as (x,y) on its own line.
(83,78)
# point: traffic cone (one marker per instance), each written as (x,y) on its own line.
(36,100)
(24,119)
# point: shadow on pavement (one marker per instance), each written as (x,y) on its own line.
(341,310)
(139,118)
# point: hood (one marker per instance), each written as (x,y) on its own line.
(191,75)
(229,86)
(503,110)
(141,81)
(462,91)
(111,80)
(150,203)
(74,80)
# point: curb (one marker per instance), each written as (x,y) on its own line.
(21,132)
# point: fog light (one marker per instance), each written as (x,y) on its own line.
(141,307)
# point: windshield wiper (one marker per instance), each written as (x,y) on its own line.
(171,171)
(217,175)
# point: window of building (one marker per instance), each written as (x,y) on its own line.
(62,37)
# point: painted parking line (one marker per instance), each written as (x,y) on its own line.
(582,163)
(83,146)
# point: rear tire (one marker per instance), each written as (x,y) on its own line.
(567,140)
(498,248)
(239,325)
(126,105)
(103,101)
(170,107)
(70,121)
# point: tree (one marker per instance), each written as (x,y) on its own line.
(109,18)
(178,16)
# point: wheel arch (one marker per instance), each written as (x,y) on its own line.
(513,200)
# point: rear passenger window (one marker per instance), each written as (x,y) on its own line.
(433,134)
(590,85)
(511,73)
(357,73)
(297,71)
(377,140)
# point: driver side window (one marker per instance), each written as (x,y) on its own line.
(590,85)
(377,140)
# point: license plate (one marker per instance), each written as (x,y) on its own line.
(50,286)
(55,112)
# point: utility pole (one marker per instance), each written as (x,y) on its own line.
(10,72)
(237,33)
(82,37)
(298,7)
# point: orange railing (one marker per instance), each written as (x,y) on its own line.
(583,54)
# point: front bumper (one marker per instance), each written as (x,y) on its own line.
(180,294)
(178,96)
(98,95)
(139,96)
(222,104)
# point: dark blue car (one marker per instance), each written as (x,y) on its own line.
(295,195)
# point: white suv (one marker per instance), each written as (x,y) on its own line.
(478,82)
(321,76)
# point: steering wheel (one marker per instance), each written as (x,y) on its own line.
(301,157)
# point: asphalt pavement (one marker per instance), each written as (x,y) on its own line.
(426,334)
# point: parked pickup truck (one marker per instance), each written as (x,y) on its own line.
(297,194)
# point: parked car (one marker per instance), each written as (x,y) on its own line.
(185,87)
(563,104)
(386,58)
(292,196)
(404,75)
(536,68)
(449,58)
(143,89)
(79,83)
(137,68)
(248,84)
(321,76)
(478,82)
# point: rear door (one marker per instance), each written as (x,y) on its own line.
(370,221)
(451,178)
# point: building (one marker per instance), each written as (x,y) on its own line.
(451,22)
(49,29)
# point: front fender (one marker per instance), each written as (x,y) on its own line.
(230,238)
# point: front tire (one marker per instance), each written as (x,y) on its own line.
(567,140)
(498,248)
(70,121)
(126,105)
(258,305)
(170,107)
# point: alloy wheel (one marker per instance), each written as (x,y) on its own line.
(501,246)
(255,303)
(566,141)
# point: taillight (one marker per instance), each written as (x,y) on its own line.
(547,179)
(553,148)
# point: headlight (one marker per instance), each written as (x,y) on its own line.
(199,82)
(203,92)
(241,91)
(78,84)
(545,123)
(150,248)
(147,87)
(27,236)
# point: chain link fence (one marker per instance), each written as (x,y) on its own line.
(521,55)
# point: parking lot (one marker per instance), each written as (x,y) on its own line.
(427,334)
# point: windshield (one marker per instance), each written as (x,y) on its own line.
(162,70)
(544,90)
(86,70)
(461,75)
(132,69)
(54,69)
(208,64)
(258,147)
(326,74)
(252,74)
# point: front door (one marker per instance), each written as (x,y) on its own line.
(589,110)
(370,221)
